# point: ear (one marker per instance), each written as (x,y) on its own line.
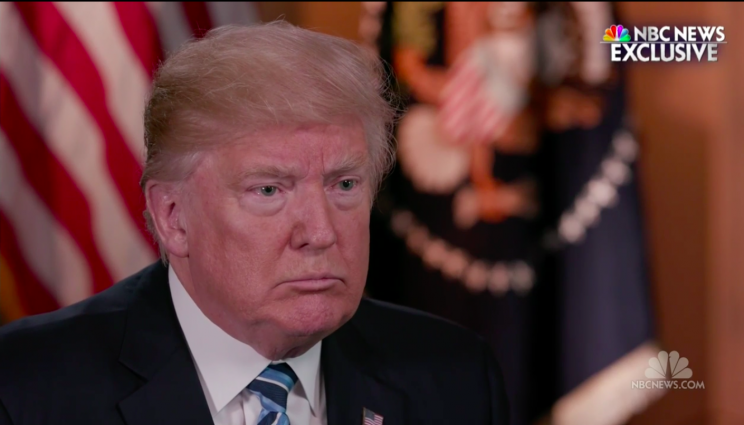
(164,203)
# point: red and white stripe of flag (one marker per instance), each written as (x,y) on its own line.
(73,81)
(468,111)
(371,418)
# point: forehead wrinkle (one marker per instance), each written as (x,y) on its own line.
(331,163)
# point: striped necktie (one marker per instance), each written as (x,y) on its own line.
(272,387)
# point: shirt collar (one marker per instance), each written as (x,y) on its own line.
(227,365)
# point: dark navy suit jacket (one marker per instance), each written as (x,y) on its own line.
(120,357)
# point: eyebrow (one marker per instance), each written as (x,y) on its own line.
(266,171)
(348,164)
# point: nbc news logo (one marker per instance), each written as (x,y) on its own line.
(665,44)
(668,371)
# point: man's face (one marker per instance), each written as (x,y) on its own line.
(277,228)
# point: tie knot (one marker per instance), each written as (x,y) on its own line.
(273,385)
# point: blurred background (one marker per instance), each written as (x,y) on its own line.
(580,215)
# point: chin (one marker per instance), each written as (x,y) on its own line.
(312,316)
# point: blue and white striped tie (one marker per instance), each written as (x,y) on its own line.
(272,387)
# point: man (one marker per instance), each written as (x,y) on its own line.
(265,146)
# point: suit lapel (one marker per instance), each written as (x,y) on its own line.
(173,395)
(155,349)
(355,379)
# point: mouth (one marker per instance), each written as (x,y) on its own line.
(313,283)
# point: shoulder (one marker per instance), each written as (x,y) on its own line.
(69,337)
(426,354)
(399,330)
(65,322)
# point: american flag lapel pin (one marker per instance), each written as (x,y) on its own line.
(371,418)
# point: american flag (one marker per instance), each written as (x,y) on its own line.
(73,82)
(484,91)
(372,418)
(468,113)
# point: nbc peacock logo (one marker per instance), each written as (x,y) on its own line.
(668,371)
(616,33)
(677,366)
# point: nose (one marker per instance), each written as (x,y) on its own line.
(314,227)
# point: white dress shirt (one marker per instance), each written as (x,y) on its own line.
(226,366)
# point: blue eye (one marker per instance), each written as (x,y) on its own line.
(268,190)
(347,185)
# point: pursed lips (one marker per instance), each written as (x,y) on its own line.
(314,282)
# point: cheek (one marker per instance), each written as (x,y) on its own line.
(234,258)
(234,237)
(213,225)
(228,242)
(353,241)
